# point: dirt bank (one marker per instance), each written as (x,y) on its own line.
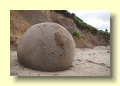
(21,20)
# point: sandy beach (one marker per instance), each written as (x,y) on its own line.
(87,62)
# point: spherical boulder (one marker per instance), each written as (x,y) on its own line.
(46,47)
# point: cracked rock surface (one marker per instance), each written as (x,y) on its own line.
(46,47)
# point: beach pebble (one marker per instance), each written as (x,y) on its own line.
(46,47)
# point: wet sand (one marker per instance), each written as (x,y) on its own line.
(87,62)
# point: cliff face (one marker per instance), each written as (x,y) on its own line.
(21,20)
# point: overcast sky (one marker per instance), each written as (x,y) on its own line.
(98,19)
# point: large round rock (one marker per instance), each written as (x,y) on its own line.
(46,47)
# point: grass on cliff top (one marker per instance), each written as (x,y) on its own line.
(82,25)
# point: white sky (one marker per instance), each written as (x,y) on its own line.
(96,18)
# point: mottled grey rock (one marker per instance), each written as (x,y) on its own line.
(46,47)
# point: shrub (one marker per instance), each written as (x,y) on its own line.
(76,33)
(104,34)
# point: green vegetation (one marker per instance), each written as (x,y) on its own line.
(104,34)
(76,33)
(80,23)
(106,30)
(65,13)
(84,26)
